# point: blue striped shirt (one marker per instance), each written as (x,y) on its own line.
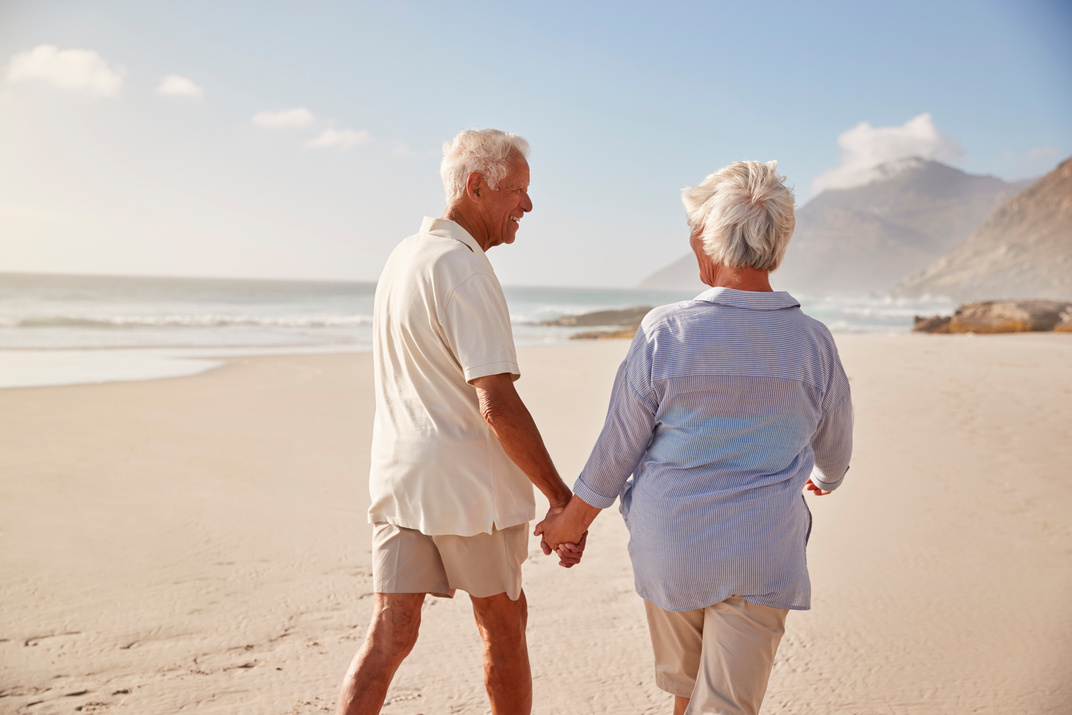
(723,408)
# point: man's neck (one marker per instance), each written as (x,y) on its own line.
(458,215)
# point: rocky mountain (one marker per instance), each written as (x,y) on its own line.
(867,238)
(1024,250)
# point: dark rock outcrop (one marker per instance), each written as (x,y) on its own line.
(626,317)
(1002,316)
(625,321)
(606,334)
(933,324)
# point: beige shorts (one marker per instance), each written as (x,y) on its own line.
(720,656)
(407,561)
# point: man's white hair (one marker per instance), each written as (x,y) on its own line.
(744,213)
(488,152)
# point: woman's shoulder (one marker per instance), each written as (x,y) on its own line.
(663,314)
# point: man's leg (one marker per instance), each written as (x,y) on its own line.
(507,677)
(396,617)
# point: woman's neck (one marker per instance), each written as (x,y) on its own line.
(740,279)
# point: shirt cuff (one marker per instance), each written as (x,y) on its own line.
(492,368)
(582,490)
(827,486)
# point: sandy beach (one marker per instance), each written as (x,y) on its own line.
(198,544)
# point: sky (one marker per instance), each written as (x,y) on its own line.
(302,139)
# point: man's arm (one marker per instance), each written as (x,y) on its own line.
(513,425)
(516,431)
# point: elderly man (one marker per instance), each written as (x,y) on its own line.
(726,409)
(454,450)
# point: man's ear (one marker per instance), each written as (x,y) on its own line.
(475,185)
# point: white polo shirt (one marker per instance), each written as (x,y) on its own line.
(440,320)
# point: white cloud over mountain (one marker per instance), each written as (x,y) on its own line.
(864,147)
(71,70)
(343,139)
(175,85)
(300,117)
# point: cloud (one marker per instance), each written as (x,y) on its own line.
(178,86)
(1042,153)
(865,147)
(1031,163)
(344,139)
(400,148)
(72,70)
(300,117)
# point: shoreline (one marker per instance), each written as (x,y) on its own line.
(66,367)
(22,368)
(200,543)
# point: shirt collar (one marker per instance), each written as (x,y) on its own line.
(748,299)
(448,229)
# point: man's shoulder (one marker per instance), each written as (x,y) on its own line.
(438,258)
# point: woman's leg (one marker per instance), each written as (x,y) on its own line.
(739,643)
(677,640)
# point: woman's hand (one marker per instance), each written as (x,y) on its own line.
(811,487)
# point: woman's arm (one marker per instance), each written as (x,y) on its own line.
(626,433)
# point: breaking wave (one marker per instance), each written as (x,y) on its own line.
(204,320)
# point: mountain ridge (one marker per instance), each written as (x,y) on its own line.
(1022,250)
(865,239)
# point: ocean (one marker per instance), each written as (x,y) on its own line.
(66,329)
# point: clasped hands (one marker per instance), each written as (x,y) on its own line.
(557,537)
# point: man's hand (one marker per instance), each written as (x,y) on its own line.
(811,487)
(565,531)
(556,531)
(569,555)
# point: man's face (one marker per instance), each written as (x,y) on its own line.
(504,207)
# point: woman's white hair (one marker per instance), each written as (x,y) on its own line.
(744,214)
(488,152)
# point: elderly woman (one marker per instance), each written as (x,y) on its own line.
(726,408)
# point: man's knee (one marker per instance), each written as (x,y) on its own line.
(396,621)
(502,622)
